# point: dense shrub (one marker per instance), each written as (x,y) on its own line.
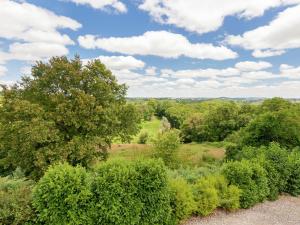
(282,127)
(206,197)
(166,146)
(293,182)
(251,178)
(15,201)
(182,200)
(63,196)
(229,195)
(230,198)
(115,194)
(275,161)
(153,191)
(143,137)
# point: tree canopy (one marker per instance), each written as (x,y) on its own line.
(65,111)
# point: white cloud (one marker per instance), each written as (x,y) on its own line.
(103,4)
(121,62)
(157,43)
(273,39)
(3,70)
(200,73)
(267,53)
(206,15)
(35,51)
(252,66)
(151,71)
(34,30)
(290,72)
(30,23)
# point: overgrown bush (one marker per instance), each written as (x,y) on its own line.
(153,191)
(63,196)
(206,197)
(251,178)
(143,137)
(293,182)
(15,201)
(115,194)
(182,199)
(166,146)
(274,160)
(229,195)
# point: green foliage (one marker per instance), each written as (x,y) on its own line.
(15,201)
(64,112)
(115,194)
(63,196)
(193,128)
(293,182)
(143,137)
(282,127)
(153,191)
(275,161)
(182,200)
(166,146)
(216,123)
(275,104)
(229,195)
(193,174)
(176,114)
(251,178)
(206,197)
(214,191)
(231,198)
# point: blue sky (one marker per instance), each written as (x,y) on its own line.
(162,48)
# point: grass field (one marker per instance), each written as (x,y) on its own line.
(151,127)
(193,154)
(188,154)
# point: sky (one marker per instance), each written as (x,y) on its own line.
(162,48)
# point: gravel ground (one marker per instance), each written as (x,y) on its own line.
(285,211)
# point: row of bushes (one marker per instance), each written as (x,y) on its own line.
(142,192)
(116,192)
(264,173)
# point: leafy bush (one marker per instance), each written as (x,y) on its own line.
(63,196)
(293,182)
(115,194)
(230,199)
(206,197)
(182,200)
(251,178)
(153,191)
(15,201)
(275,161)
(143,137)
(282,127)
(166,146)
(229,195)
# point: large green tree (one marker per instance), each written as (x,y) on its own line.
(65,111)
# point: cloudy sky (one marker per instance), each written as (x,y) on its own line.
(162,48)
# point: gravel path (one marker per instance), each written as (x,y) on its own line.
(285,211)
